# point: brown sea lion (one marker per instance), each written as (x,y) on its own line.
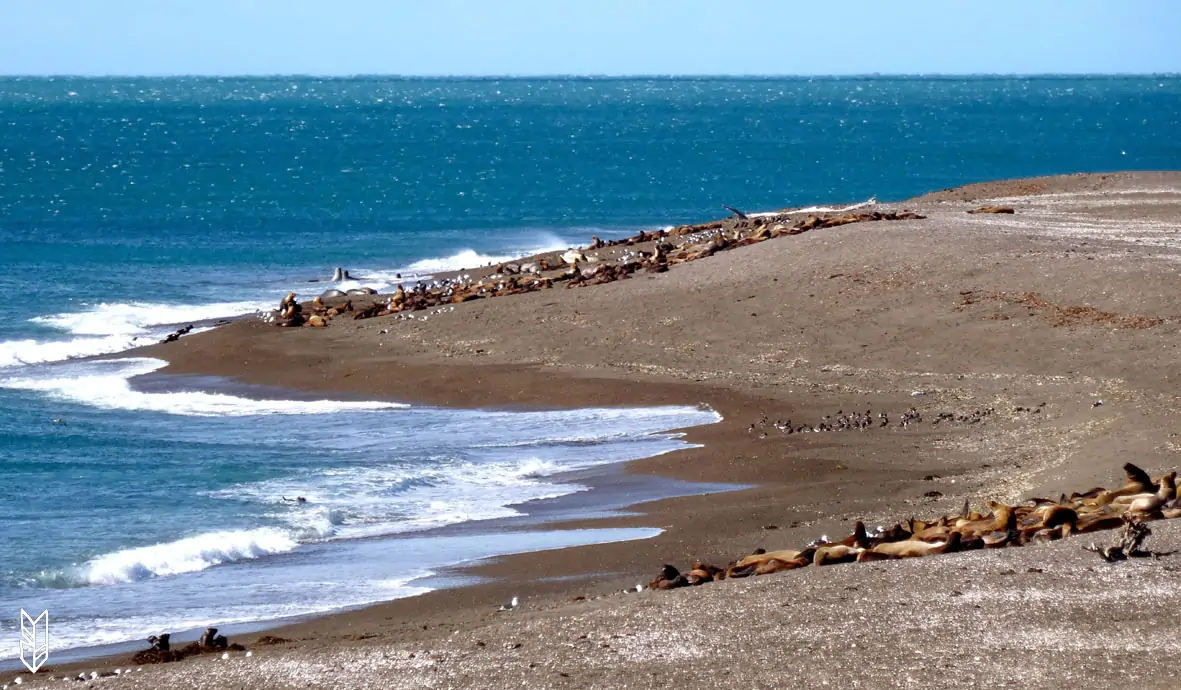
(669,578)
(1146,505)
(912,548)
(775,565)
(835,553)
(763,556)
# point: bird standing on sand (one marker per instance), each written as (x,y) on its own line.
(510,606)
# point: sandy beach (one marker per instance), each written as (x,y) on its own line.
(1016,325)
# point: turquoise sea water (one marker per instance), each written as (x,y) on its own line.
(131,206)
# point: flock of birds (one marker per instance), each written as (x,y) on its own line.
(1142,498)
(861,421)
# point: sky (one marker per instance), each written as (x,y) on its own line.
(603,37)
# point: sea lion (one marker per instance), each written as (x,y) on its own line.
(669,578)
(1095,522)
(835,553)
(781,555)
(331,294)
(1145,505)
(361,291)
(159,642)
(912,548)
(208,637)
(776,565)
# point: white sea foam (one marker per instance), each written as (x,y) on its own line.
(815,209)
(106,385)
(186,555)
(347,503)
(110,328)
(138,318)
(469,258)
(15,353)
(180,615)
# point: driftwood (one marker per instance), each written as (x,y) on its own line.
(1128,544)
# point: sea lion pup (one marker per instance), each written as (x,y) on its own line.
(911,548)
(669,578)
(703,572)
(895,533)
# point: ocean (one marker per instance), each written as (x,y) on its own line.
(129,207)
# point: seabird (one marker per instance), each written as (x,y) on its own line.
(509,606)
(735,211)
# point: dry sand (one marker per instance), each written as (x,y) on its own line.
(1071,300)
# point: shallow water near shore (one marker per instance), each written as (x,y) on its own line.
(172,505)
(130,207)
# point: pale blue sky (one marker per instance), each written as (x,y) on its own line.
(482,37)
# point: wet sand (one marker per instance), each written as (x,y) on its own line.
(1070,300)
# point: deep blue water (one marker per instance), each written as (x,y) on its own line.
(130,205)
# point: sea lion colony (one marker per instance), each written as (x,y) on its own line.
(573,268)
(1140,499)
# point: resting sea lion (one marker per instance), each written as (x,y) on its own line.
(331,294)
(669,578)
(912,548)
(1151,504)
(835,553)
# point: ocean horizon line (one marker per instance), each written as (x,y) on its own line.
(364,76)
